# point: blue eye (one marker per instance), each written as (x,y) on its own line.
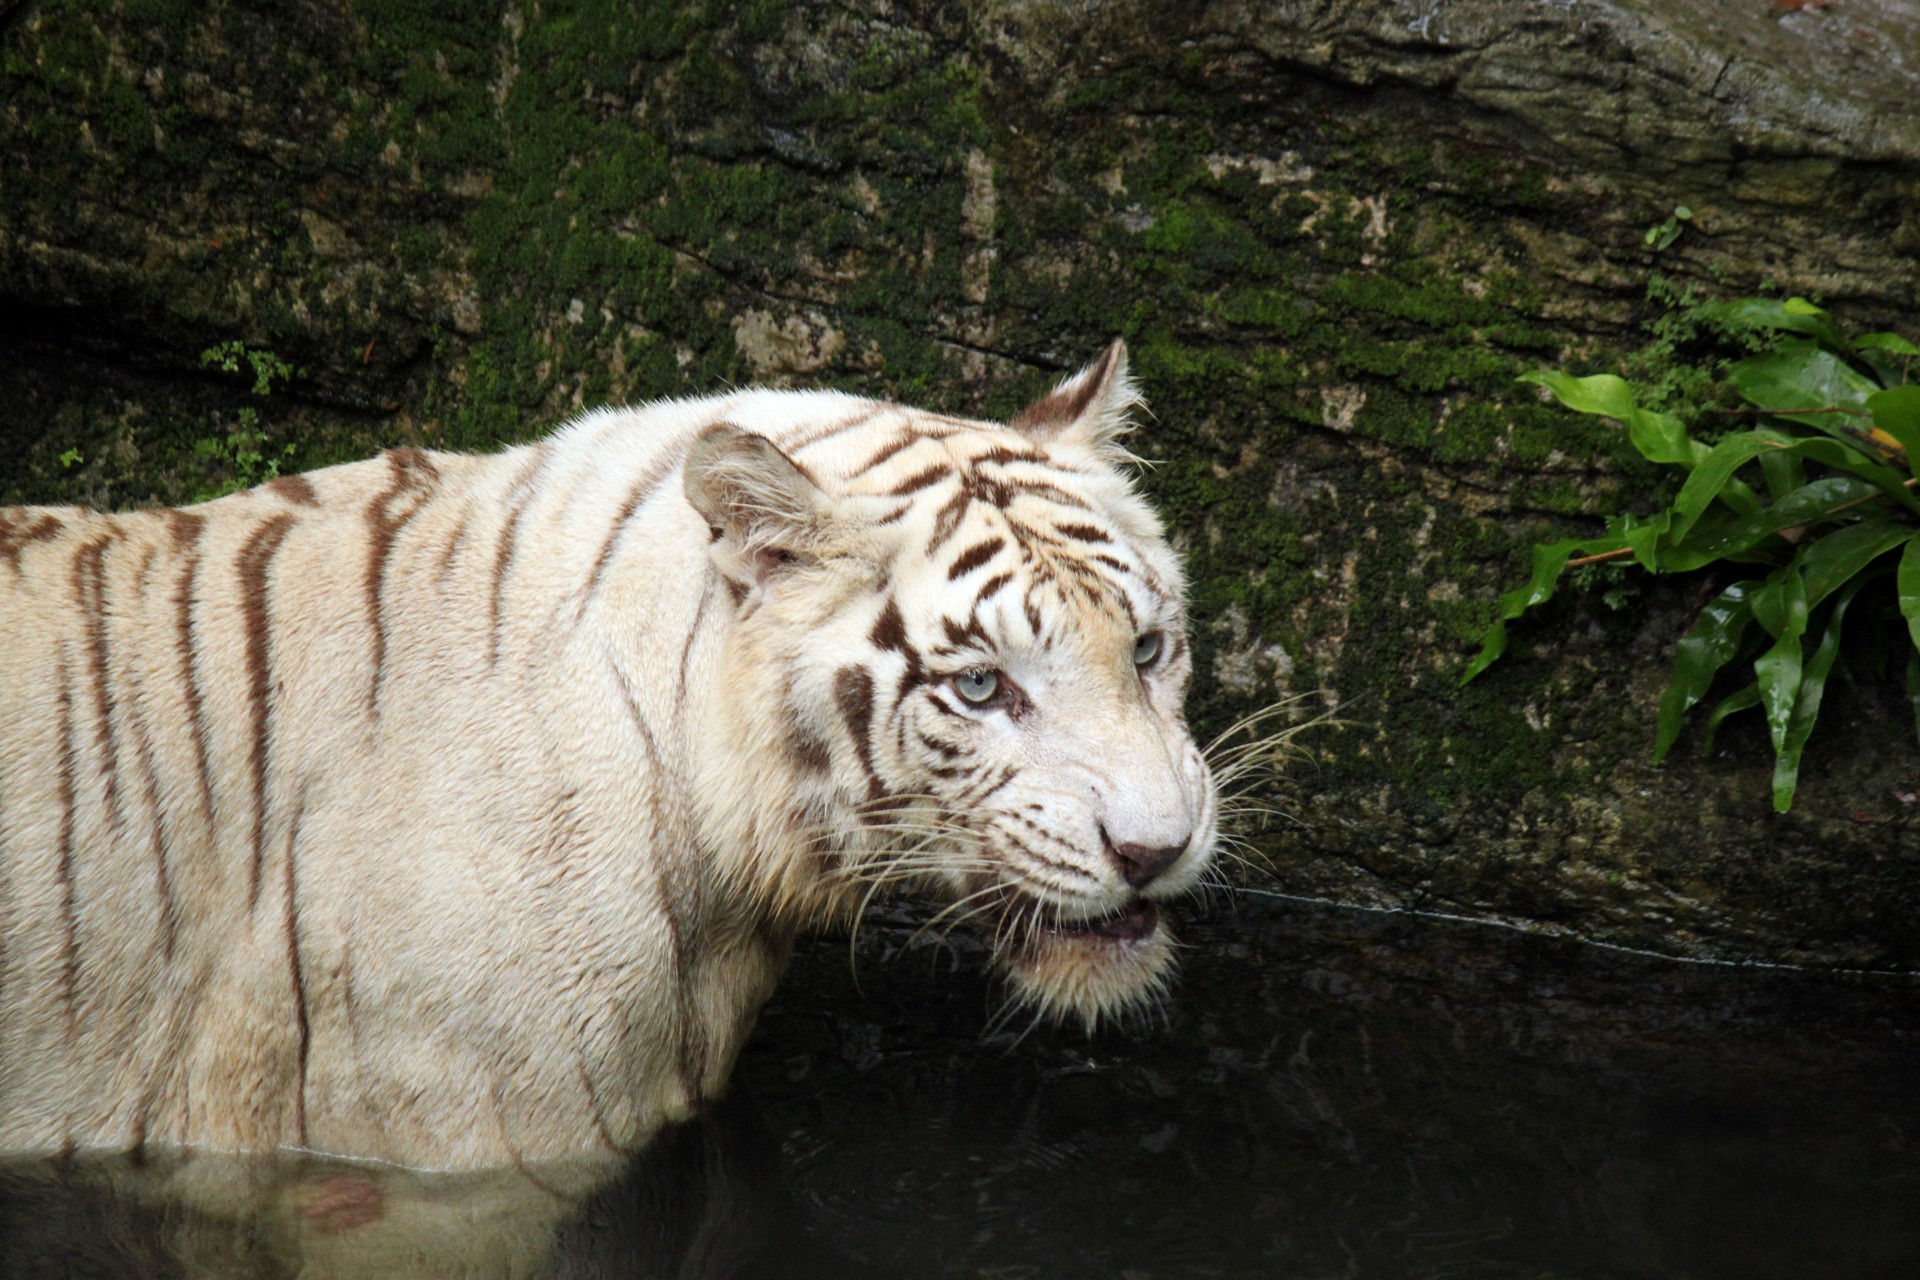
(977,686)
(1146,649)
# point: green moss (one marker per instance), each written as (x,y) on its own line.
(1280,310)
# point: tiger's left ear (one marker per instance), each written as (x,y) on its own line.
(1091,408)
(765,511)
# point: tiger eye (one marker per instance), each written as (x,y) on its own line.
(1146,649)
(977,686)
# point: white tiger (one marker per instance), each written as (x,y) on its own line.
(460,811)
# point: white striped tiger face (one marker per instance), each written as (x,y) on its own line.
(993,699)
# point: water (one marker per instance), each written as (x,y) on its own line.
(1333,1093)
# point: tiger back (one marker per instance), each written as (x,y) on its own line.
(460,811)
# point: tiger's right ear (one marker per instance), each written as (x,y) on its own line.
(1093,408)
(764,510)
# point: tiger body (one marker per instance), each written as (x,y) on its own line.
(460,811)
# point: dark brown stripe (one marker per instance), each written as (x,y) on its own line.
(922,479)
(1007,490)
(1073,566)
(1000,455)
(297,490)
(1083,532)
(686,650)
(946,521)
(450,552)
(184,528)
(157,835)
(970,636)
(513,1151)
(946,750)
(973,557)
(991,490)
(808,752)
(890,629)
(923,416)
(1007,775)
(63,855)
(990,587)
(1054,864)
(19,527)
(647,740)
(417,463)
(687,1053)
(252,566)
(643,489)
(905,440)
(839,428)
(890,634)
(133,696)
(291,876)
(594,1107)
(940,704)
(144,575)
(89,596)
(409,486)
(853,693)
(692,1048)
(348,1011)
(509,539)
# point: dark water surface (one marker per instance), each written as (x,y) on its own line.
(1333,1093)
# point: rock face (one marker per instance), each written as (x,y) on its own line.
(1333,233)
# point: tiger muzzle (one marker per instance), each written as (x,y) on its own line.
(1140,864)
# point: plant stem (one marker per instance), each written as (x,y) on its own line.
(1795,413)
(1858,501)
(1617,552)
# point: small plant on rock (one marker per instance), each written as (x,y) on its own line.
(244,449)
(1811,492)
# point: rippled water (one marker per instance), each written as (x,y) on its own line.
(1333,1093)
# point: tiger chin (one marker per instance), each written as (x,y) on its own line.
(461,811)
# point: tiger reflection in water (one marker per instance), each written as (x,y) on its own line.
(704,1201)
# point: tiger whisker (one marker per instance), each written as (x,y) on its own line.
(961,905)
(1257,716)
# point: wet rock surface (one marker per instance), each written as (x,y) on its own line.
(1332,234)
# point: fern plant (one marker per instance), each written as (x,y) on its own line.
(1813,498)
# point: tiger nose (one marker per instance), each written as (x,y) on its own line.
(1141,864)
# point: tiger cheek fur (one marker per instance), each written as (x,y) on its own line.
(460,811)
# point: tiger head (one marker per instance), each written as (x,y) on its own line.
(966,647)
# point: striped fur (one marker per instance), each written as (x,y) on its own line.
(460,811)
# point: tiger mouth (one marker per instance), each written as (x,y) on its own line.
(1133,922)
(1091,969)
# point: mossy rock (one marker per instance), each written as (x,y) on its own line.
(1332,241)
